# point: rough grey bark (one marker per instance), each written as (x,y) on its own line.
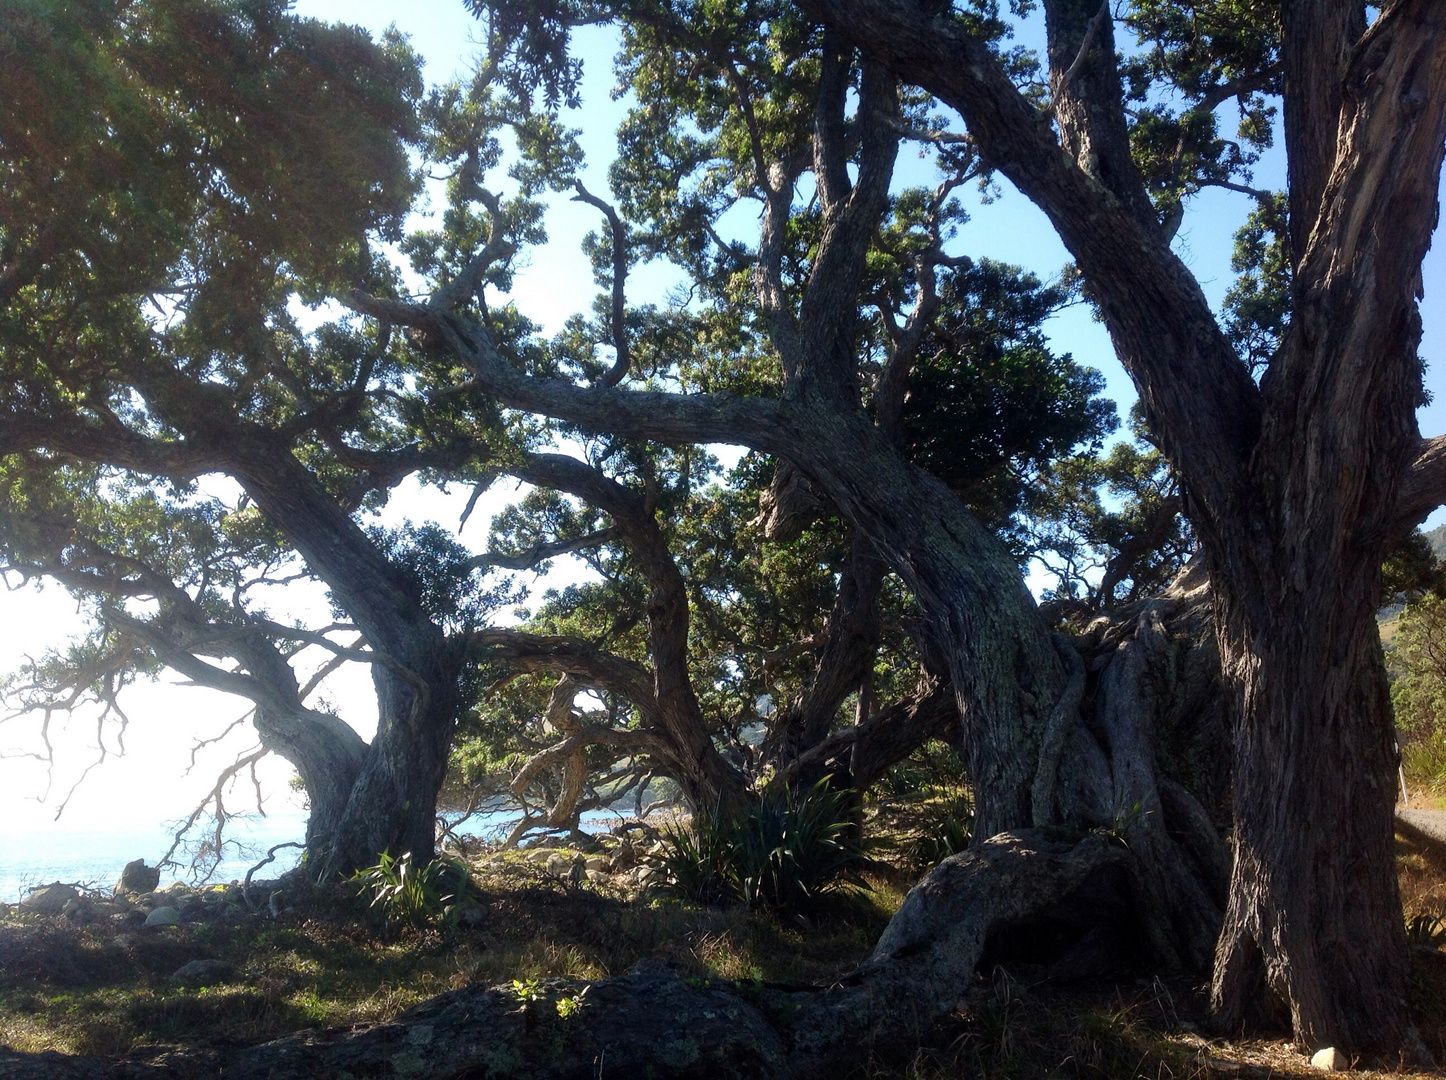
(1297,626)
(328,756)
(391,806)
(1292,487)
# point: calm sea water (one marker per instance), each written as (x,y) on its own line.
(41,854)
(95,856)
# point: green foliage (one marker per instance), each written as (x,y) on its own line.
(790,850)
(944,830)
(700,860)
(1418,692)
(526,991)
(1195,56)
(1257,305)
(451,595)
(1426,929)
(409,895)
(1411,570)
(569,1006)
(989,403)
(1110,528)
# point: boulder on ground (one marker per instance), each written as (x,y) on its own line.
(162,916)
(1330,1060)
(49,899)
(470,915)
(138,878)
(78,911)
(203,973)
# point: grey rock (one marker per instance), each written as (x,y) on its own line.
(137,877)
(79,911)
(129,920)
(49,900)
(163,916)
(469,914)
(203,973)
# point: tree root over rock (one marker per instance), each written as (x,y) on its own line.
(650,1022)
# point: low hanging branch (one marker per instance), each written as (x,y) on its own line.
(638,742)
(215,797)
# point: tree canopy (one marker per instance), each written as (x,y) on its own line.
(178,179)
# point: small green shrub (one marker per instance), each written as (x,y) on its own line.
(699,862)
(411,895)
(1424,762)
(945,832)
(783,856)
(1426,929)
(1417,662)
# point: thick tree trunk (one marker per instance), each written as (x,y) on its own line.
(328,755)
(1314,914)
(392,806)
(978,616)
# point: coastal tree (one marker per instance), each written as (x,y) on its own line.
(218,377)
(176,175)
(1294,486)
(1296,478)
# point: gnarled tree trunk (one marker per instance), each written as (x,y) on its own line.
(391,805)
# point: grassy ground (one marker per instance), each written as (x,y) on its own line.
(105,987)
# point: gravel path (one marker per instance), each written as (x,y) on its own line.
(1429,823)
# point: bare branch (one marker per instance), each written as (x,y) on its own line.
(1091,32)
(623,360)
(540,552)
(1424,486)
(591,735)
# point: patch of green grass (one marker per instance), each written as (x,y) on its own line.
(103,990)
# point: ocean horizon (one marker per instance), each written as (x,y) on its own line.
(93,857)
